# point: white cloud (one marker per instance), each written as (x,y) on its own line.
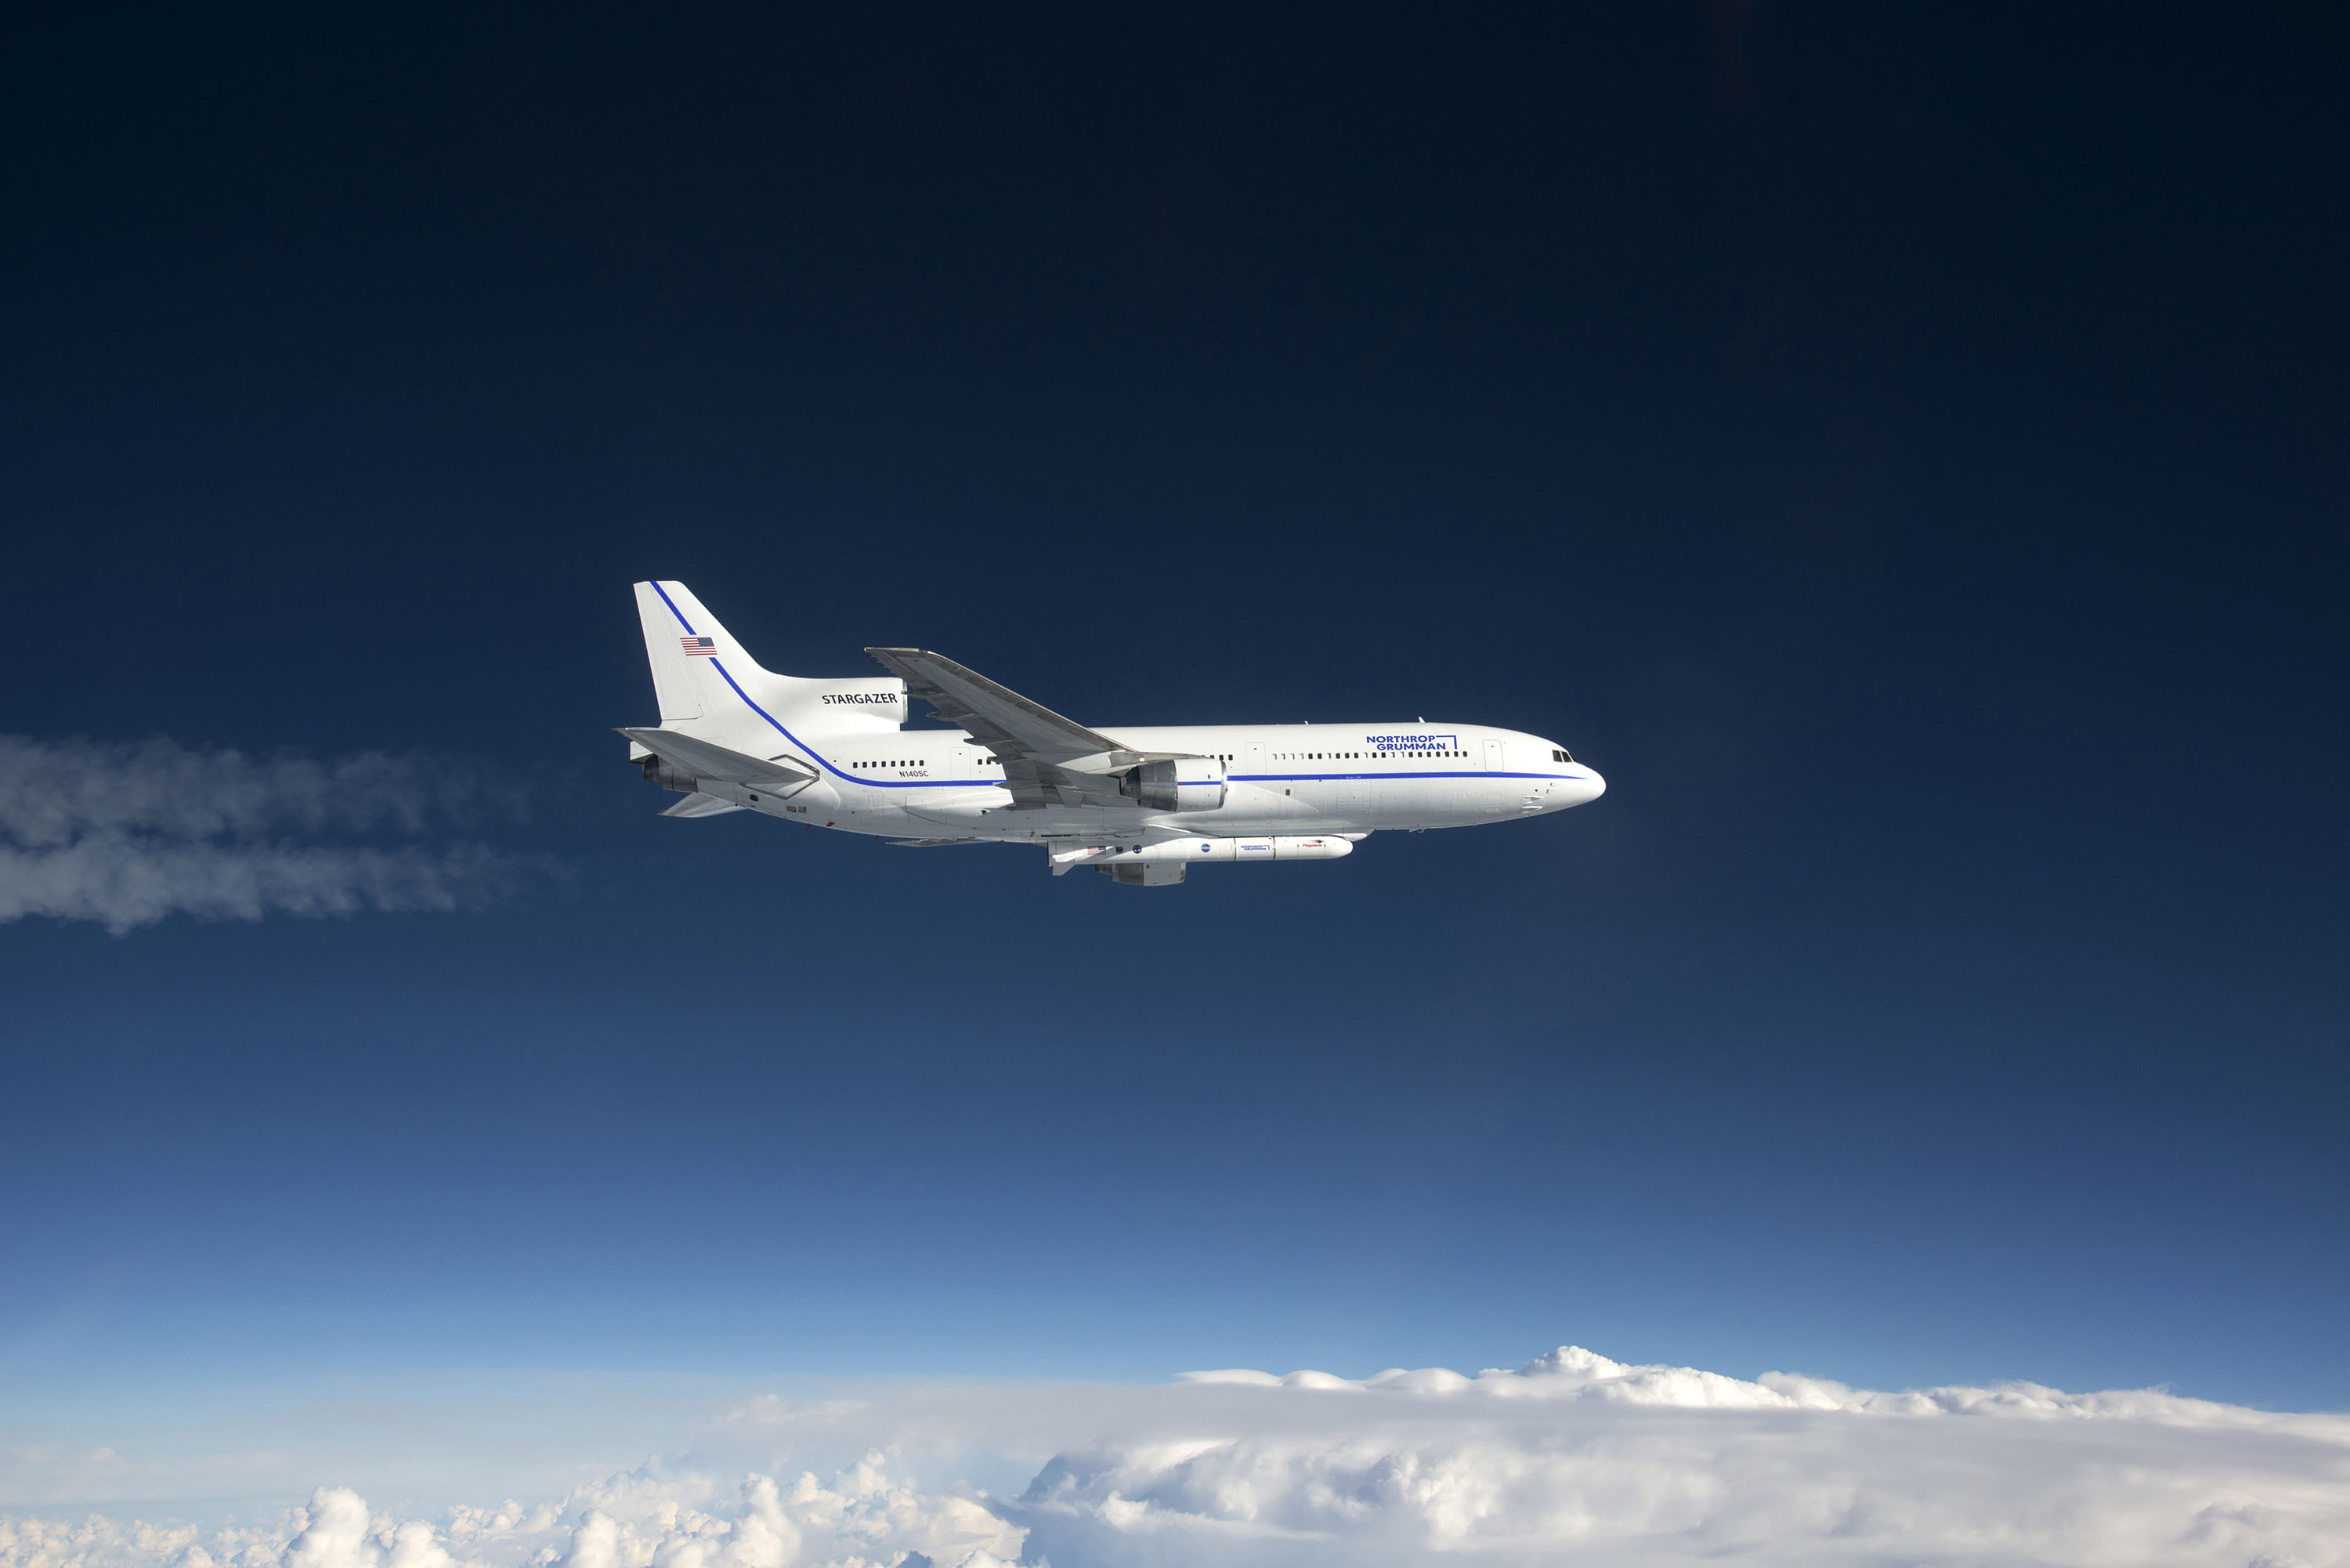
(126,834)
(335,1534)
(1572,1458)
(1576,1458)
(651,1518)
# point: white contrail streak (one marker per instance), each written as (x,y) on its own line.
(125,834)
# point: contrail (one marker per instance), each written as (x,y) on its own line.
(125,834)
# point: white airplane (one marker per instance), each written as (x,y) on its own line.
(1142,804)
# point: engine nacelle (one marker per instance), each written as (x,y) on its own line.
(660,773)
(1175,784)
(806,796)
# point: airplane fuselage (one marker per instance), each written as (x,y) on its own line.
(1286,779)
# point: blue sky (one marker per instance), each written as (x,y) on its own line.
(1948,989)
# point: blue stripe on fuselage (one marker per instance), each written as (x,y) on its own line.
(1283,778)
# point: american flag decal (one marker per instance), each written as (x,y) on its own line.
(700,647)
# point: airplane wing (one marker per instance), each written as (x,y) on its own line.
(1047,760)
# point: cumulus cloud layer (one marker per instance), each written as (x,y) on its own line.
(1576,1458)
(1572,1458)
(864,1518)
(125,834)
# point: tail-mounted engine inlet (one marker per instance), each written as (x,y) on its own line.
(668,778)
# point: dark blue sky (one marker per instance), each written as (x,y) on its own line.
(1904,453)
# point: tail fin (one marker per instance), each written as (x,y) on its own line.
(711,688)
(665,621)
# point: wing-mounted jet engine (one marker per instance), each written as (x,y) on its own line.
(1175,784)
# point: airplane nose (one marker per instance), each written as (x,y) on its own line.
(1585,789)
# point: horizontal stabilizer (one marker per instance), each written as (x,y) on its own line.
(704,761)
(698,804)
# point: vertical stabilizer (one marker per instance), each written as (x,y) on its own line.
(673,676)
(711,687)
